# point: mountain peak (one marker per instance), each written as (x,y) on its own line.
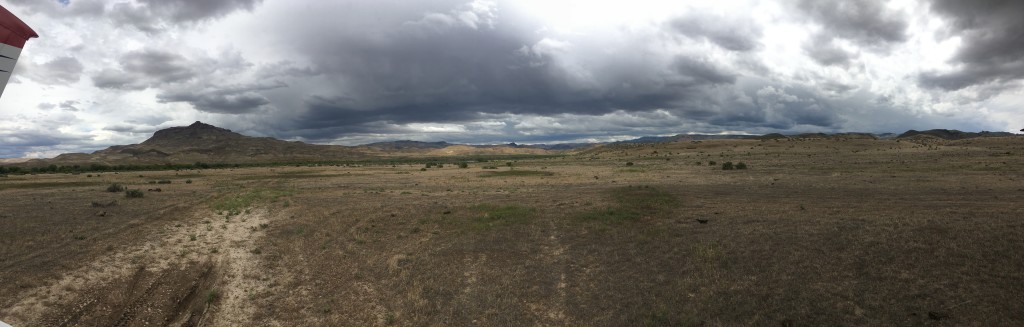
(182,135)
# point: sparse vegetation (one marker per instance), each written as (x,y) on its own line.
(134,194)
(490,215)
(212,296)
(516,173)
(448,247)
(115,188)
(727,165)
(632,203)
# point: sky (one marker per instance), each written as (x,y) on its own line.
(109,72)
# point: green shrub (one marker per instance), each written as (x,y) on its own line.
(188,181)
(712,163)
(463,164)
(213,295)
(629,163)
(114,188)
(727,165)
(741,166)
(134,194)
(163,181)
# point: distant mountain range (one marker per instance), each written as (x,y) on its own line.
(201,142)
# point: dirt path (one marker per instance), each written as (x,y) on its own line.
(199,270)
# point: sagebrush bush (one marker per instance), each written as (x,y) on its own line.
(114,188)
(727,165)
(134,194)
(741,166)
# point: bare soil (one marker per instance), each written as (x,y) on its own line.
(814,232)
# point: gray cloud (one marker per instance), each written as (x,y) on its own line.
(69,105)
(196,10)
(56,9)
(865,22)
(146,68)
(993,43)
(219,101)
(727,32)
(59,71)
(150,16)
(825,52)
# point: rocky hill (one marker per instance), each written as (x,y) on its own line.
(201,142)
(951,134)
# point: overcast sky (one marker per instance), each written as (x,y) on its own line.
(106,72)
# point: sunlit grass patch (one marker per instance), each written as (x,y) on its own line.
(236,203)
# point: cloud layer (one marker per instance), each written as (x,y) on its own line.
(110,72)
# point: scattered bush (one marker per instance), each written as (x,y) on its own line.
(463,164)
(629,163)
(114,188)
(213,295)
(134,194)
(163,181)
(712,163)
(727,165)
(741,166)
(188,181)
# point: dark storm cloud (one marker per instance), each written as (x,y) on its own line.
(411,65)
(146,68)
(699,72)
(728,33)
(146,15)
(865,22)
(59,71)
(218,101)
(993,43)
(131,128)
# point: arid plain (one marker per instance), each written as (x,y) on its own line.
(815,232)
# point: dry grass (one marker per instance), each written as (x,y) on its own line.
(827,232)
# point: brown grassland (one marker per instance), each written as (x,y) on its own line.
(813,233)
